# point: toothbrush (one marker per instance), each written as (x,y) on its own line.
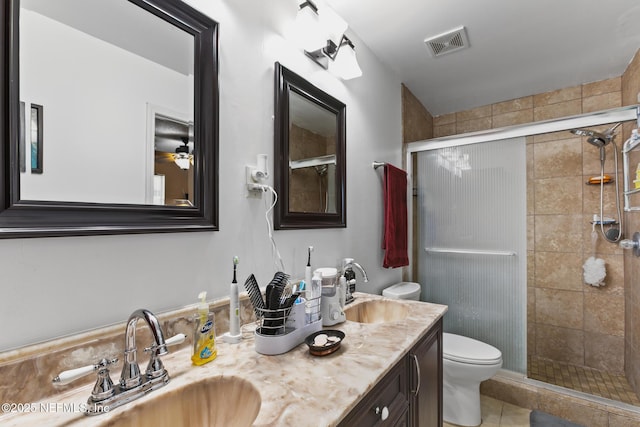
(307,281)
(234,307)
(307,270)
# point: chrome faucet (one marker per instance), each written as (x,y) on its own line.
(347,270)
(130,376)
(106,395)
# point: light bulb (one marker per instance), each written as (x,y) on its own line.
(345,65)
(308,31)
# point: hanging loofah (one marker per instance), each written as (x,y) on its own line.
(594,271)
(594,268)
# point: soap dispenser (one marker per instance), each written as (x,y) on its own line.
(204,337)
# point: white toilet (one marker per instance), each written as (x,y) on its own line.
(466,363)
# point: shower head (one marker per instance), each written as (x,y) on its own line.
(596,138)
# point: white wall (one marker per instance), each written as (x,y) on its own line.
(59,286)
(95,98)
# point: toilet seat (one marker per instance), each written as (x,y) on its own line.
(462,349)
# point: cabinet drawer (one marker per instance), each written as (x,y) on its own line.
(388,397)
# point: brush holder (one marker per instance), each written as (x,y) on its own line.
(278,331)
(273,322)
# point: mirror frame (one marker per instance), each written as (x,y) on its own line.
(286,81)
(29,218)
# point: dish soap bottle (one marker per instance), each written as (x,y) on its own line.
(204,337)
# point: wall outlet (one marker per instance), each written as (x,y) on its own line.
(254,187)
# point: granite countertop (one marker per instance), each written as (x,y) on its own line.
(295,387)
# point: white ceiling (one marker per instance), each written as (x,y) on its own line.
(516,48)
(125,25)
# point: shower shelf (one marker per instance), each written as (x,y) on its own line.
(630,145)
(634,191)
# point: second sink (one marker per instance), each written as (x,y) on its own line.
(378,311)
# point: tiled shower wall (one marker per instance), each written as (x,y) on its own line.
(569,321)
(630,90)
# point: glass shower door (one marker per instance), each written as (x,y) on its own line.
(472,237)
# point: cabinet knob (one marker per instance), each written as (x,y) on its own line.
(384,412)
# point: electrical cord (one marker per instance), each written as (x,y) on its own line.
(277,262)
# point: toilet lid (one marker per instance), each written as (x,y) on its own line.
(402,290)
(467,350)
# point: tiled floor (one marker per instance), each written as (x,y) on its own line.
(592,381)
(496,413)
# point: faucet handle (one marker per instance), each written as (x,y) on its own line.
(65,377)
(174,340)
(155,368)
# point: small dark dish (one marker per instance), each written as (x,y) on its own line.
(329,347)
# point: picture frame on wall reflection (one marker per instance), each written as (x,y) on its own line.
(36,138)
(21,142)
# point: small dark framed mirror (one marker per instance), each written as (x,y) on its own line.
(310,155)
(124,138)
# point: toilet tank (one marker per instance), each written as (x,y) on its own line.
(403,290)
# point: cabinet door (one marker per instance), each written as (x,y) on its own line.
(403,421)
(425,379)
(385,405)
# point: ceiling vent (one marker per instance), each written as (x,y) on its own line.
(448,42)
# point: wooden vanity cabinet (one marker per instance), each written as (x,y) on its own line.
(411,392)
(424,362)
(386,404)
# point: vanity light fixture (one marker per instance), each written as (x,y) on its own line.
(321,32)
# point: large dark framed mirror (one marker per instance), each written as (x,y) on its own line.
(127,138)
(310,155)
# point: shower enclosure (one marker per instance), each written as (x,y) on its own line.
(502,242)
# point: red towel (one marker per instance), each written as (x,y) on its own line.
(395,217)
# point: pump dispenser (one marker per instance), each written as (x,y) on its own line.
(204,337)
(333,298)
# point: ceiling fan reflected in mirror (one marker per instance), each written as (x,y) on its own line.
(174,141)
(182,157)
